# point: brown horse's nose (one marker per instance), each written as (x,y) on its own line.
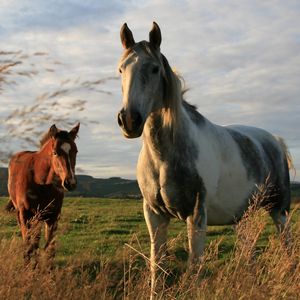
(70,184)
(122,118)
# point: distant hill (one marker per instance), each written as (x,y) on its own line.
(3,181)
(88,186)
(295,189)
(114,187)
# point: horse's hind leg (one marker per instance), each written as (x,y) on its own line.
(10,206)
(281,220)
(281,206)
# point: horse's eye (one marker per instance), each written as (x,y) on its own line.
(54,153)
(120,70)
(155,70)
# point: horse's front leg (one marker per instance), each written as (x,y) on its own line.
(31,234)
(158,228)
(50,229)
(196,227)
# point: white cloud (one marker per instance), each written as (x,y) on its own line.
(239,59)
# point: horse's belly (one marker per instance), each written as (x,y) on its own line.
(227,207)
(217,215)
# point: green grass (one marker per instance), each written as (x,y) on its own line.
(94,227)
(101,249)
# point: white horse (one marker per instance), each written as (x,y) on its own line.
(188,167)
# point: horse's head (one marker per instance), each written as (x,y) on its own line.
(143,72)
(63,155)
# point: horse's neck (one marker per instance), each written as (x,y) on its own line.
(43,170)
(163,140)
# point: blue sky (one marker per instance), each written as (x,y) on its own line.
(240,60)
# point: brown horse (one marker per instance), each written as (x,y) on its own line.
(36,184)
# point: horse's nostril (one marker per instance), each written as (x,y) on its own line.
(69,184)
(120,121)
(131,122)
(136,118)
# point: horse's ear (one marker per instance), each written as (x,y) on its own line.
(74,131)
(155,36)
(53,131)
(126,37)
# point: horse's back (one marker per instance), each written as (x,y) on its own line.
(20,164)
(19,175)
(21,159)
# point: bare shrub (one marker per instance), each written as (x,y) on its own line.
(60,103)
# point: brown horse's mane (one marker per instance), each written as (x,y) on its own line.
(62,134)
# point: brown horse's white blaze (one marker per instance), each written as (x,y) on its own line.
(36,185)
(188,167)
(66,169)
(70,178)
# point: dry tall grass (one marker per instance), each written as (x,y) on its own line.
(271,271)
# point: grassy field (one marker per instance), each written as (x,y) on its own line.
(101,250)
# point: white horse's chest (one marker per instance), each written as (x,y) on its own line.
(168,188)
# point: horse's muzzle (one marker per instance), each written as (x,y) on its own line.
(130,123)
(69,185)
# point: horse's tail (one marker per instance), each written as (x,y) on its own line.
(10,206)
(287,154)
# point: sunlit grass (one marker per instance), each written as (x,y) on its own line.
(102,246)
